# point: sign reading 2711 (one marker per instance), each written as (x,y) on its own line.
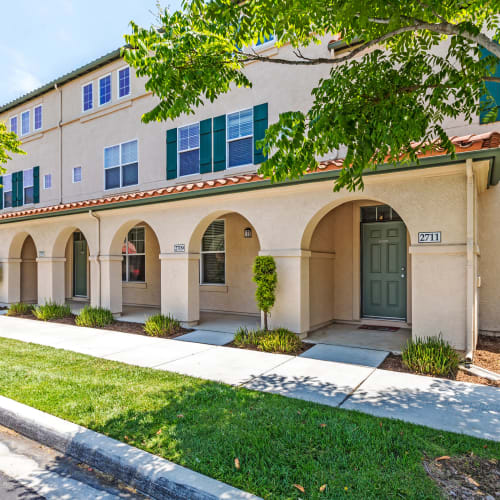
(433,237)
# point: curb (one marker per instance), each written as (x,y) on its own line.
(152,475)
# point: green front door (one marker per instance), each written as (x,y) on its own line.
(79,266)
(384,270)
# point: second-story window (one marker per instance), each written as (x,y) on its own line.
(121,167)
(47,181)
(28,187)
(37,118)
(240,138)
(104,90)
(87,97)
(123,82)
(25,123)
(7,191)
(13,124)
(189,149)
(77,174)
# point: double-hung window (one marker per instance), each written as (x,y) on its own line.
(123,82)
(240,138)
(213,254)
(7,191)
(87,97)
(121,167)
(189,149)
(28,187)
(13,124)
(134,256)
(104,90)
(25,123)
(37,118)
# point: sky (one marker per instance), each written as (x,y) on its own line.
(41,40)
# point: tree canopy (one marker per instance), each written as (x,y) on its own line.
(9,143)
(392,90)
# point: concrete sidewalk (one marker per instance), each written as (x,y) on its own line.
(441,404)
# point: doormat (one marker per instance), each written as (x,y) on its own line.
(379,328)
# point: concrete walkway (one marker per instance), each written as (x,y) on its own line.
(441,404)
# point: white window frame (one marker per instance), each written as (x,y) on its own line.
(239,139)
(121,186)
(22,134)
(212,251)
(187,150)
(83,97)
(110,91)
(265,45)
(5,192)
(73,175)
(49,177)
(41,118)
(17,123)
(25,186)
(126,254)
(118,82)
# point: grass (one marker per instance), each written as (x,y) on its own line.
(94,317)
(205,426)
(51,310)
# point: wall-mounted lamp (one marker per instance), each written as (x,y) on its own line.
(248,232)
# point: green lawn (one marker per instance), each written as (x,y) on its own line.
(205,426)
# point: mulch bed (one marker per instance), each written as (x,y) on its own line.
(487,356)
(305,347)
(466,477)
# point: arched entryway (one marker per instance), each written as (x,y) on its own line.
(29,272)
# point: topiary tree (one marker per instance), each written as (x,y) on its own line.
(264,274)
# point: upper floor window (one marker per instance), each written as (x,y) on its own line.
(189,149)
(104,90)
(134,256)
(47,181)
(13,124)
(490,102)
(77,174)
(28,187)
(268,40)
(213,254)
(240,138)
(87,97)
(25,123)
(121,167)
(7,191)
(123,82)
(37,118)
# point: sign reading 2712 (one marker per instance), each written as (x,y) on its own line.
(432,237)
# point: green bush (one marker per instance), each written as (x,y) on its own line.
(266,277)
(94,317)
(159,325)
(277,340)
(51,310)
(431,356)
(20,309)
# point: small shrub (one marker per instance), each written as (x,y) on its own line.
(94,317)
(51,310)
(20,309)
(278,340)
(266,277)
(431,356)
(159,325)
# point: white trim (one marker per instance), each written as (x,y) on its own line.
(44,187)
(189,149)
(120,166)
(73,174)
(265,45)
(239,138)
(22,134)
(17,123)
(83,100)
(126,254)
(41,118)
(25,186)
(118,82)
(202,252)
(99,105)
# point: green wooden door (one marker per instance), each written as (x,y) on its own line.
(79,267)
(384,270)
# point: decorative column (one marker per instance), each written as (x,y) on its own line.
(291,309)
(95,281)
(51,283)
(111,283)
(10,280)
(180,286)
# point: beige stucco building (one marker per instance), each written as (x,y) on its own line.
(107,210)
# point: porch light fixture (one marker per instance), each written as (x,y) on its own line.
(248,232)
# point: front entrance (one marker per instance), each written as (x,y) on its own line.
(384,269)
(79,265)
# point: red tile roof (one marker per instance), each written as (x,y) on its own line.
(488,140)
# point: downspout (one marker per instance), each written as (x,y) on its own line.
(59,125)
(98,257)
(470,281)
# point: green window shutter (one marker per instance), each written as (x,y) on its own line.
(260,124)
(206,146)
(14,189)
(1,192)
(20,197)
(219,143)
(36,184)
(494,90)
(172,153)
